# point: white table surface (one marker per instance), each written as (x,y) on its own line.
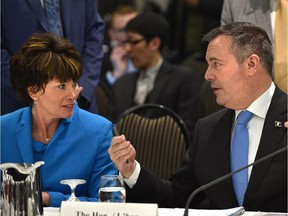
(179,212)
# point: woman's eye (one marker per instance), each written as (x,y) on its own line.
(62,86)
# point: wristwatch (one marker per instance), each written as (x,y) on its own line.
(83,102)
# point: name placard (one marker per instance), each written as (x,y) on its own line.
(107,209)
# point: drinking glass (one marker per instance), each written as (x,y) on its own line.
(73,184)
(111,189)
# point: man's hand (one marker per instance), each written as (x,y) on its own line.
(122,153)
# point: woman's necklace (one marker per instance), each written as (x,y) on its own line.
(47,139)
(42,135)
(41,138)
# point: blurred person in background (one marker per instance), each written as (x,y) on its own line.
(156,80)
(271,15)
(116,61)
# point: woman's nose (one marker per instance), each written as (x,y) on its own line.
(72,94)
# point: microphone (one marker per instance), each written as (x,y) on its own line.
(216,181)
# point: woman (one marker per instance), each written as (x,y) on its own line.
(73,143)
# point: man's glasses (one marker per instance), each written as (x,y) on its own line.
(133,42)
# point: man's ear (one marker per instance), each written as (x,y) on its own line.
(155,43)
(253,63)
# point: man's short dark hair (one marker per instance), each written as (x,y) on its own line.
(150,25)
(247,39)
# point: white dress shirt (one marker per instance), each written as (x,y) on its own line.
(259,108)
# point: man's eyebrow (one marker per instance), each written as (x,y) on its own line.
(213,59)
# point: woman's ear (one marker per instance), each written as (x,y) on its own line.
(32,91)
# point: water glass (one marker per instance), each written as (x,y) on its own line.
(111,189)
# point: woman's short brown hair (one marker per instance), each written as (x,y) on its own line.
(42,58)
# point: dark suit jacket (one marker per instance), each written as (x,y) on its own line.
(82,26)
(175,87)
(209,158)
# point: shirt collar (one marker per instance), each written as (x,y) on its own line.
(154,69)
(260,106)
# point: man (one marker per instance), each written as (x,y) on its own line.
(240,60)
(81,24)
(156,80)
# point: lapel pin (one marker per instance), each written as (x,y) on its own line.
(278,124)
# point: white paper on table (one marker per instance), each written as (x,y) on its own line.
(51,211)
(200,212)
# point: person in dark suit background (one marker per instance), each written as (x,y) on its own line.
(257,12)
(156,81)
(81,24)
(240,60)
(266,14)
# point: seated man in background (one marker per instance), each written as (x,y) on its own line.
(240,59)
(156,81)
(72,142)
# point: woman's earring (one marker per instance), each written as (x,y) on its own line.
(35,100)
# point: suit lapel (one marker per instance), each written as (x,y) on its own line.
(270,140)
(129,90)
(39,12)
(24,132)
(219,154)
(159,83)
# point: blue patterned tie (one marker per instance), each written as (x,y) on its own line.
(52,10)
(239,155)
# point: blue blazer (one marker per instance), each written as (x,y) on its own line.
(78,149)
(82,25)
